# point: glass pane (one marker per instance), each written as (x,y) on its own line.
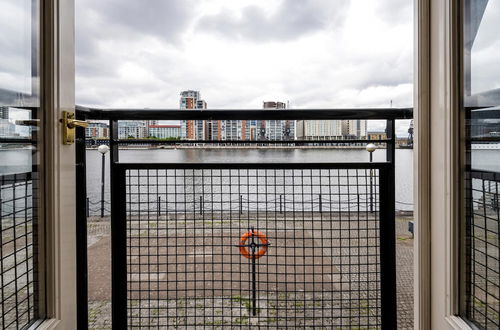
(482,174)
(19,159)
(19,60)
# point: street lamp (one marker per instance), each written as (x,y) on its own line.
(103,149)
(371,148)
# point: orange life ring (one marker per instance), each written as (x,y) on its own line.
(262,247)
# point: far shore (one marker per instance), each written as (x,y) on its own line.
(170,147)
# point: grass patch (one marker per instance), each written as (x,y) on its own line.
(246,302)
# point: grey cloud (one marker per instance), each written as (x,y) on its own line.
(106,45)
(103,27)
(132,18)
(395,11)
(292,19)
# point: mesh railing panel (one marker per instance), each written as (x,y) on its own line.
(483,228)
(185,269)
(18,307)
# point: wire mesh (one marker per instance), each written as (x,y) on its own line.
(18,307)
(321,267)
(483,267)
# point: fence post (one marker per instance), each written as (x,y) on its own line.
(158,207)
(88,206)
(320,204)
(387,236)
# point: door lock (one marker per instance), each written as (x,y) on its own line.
(69,124)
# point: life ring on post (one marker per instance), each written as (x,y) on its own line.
(262,246)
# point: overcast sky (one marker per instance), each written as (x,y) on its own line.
(238,53)
(313,53)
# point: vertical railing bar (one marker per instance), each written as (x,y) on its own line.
(2,307)
(82,212)
(119,314)
(320,204)
(158,203)
(466,248)
(87,207)
(387,239)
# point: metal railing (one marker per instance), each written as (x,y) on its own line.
(483,240)
(18,251)
(188,245)
(482,221)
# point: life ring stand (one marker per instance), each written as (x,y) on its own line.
(264,243)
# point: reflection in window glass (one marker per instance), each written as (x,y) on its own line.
(482,184)
(18,52)
(19,184)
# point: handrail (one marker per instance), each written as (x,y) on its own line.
(146,141)
(233,166)
(246,114)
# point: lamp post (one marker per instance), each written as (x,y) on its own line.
(371,148)
(103,149)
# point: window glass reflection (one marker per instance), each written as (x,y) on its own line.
(19,52)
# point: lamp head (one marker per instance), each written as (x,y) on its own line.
(371,147)
(103,149)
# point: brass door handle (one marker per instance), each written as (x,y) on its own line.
(69,124)
(72,123)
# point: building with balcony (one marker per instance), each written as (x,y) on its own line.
(164,131)
(193,129)
(377,135)
(276,130)
(136,129)
(97,131)
(319,130)
(354,129)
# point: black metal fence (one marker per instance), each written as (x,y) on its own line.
(483,241)
(229,244)
(221,252)
(18,257)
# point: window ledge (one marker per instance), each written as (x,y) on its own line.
(458,323)
(48,324)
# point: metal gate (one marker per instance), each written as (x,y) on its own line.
(264,245)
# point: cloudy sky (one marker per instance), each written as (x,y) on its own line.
(312,53)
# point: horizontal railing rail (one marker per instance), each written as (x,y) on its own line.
(229,166)
(242,114)
(294,142)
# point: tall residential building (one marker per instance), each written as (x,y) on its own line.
(4,113)
(354,128)
(7,129)
(193,129)
(277,130)
(136,129)
(250,130)
(97,130)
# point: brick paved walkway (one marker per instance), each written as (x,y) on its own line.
(100,307)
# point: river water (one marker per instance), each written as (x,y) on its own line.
(16,161)
(404,159)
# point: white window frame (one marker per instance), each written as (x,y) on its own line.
(437,165)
